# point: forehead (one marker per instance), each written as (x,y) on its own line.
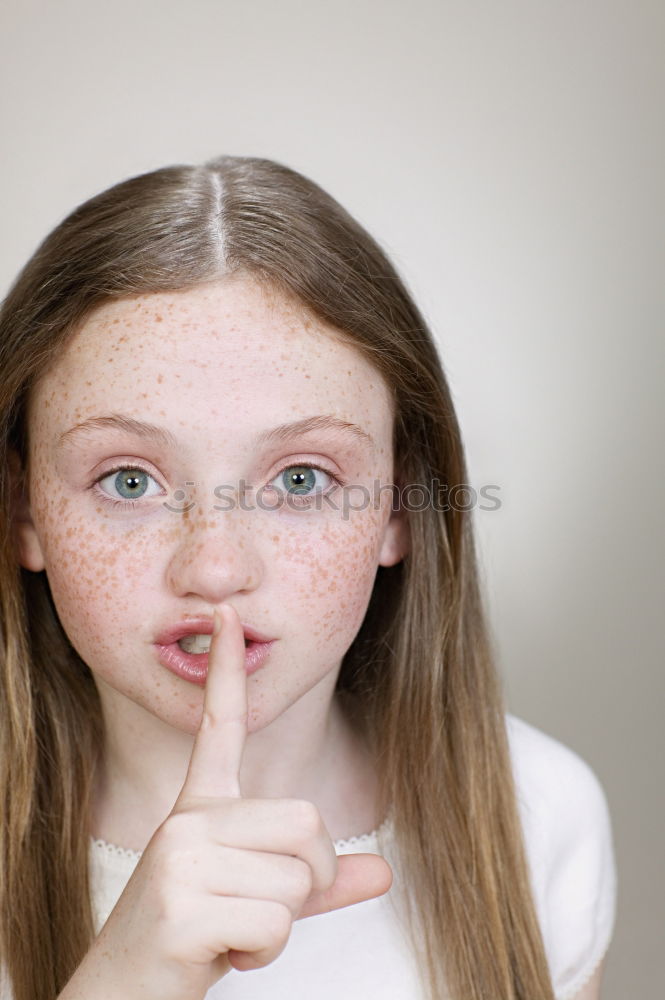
(228,350)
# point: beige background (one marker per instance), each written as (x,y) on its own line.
(510,156)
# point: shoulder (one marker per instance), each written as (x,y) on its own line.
(569,845)
(553,782)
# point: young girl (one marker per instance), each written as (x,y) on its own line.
(253,740)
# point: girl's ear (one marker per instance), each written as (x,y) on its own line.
(396,539)
(26,542)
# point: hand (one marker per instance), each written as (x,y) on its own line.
(223,878)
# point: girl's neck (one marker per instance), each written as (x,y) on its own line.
(341,780)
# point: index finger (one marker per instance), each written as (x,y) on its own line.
(214,766)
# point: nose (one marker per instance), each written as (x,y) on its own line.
(216,556)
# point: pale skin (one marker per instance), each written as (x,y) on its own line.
(215,367)
(591,991)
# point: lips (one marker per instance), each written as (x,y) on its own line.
(203,626)
(193,667)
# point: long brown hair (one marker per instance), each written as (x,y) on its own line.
(421,668)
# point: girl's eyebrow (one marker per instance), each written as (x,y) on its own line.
(322,422)
(120,422)
(163,437)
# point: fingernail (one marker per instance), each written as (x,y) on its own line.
(216,622)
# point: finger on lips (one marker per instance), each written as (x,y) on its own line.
(214,767)
(216,759)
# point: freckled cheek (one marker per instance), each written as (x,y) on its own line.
(96,581)
(334,573)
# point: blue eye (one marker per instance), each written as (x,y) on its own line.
(300,480)
(130,482)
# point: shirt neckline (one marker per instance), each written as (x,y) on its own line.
(107,850)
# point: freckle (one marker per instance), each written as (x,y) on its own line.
(158,318)
(160,378)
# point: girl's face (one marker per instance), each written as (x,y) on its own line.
(130,553)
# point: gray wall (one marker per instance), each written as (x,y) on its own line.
(510,155)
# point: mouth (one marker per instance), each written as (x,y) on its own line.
(184,649)
(199,642)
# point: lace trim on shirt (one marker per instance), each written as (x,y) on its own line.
(113,851)
(363,838)
(125,854)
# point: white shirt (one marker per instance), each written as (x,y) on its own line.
(361,952)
